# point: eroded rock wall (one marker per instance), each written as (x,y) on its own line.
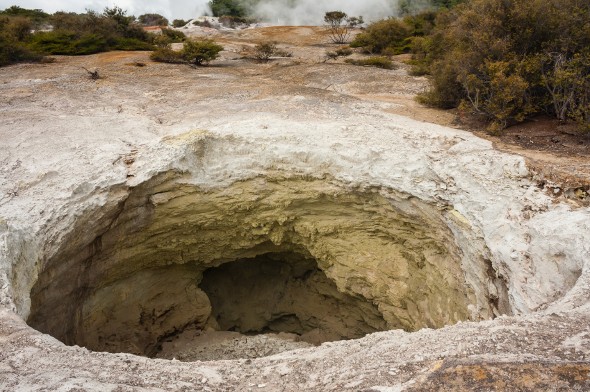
(138,280)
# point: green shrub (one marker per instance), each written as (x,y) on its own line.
(199,52)
(36,16)
(390,36)
(174,35)
(204,23)
(234,21)
(86,44)
(506,60)
(421,55)
(67,43)
(81,34)
(421,24)
(340,52)
(395,36)
(179,23)
(236,8)
(446,90)
(282,53)
(137,32)
(343,52)
(14,31)
(412,7)
(72,34)
(111,24)
(167,55)
(264,51)
(161,40)
(375,61)
(131,44)
(12,51)
(72,44)
(91,22)
(17,27)
(120,17)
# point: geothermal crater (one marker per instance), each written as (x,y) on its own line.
(300,256)
(243,210)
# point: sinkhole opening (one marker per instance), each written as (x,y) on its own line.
(257,268)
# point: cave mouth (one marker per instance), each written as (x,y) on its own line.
(177,313)
(268,304)
(286,292)
(303,260)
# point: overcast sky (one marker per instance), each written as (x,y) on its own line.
(278,11)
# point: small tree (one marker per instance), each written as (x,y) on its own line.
(340,25)
(200,52)
(228,8)
(119,15)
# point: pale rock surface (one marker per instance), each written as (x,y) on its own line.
(73,151)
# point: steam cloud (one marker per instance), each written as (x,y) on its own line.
(286,12)
(311,12)
(183,9)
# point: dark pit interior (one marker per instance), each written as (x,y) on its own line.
(286,292)
(269,293)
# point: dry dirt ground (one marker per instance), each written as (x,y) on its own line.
(557,155)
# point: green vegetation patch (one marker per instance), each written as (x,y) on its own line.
(71,34)
(374,61)
(196,52)
(508,60)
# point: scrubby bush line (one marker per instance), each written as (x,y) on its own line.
(509,59)
(503,60)
(71,34)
